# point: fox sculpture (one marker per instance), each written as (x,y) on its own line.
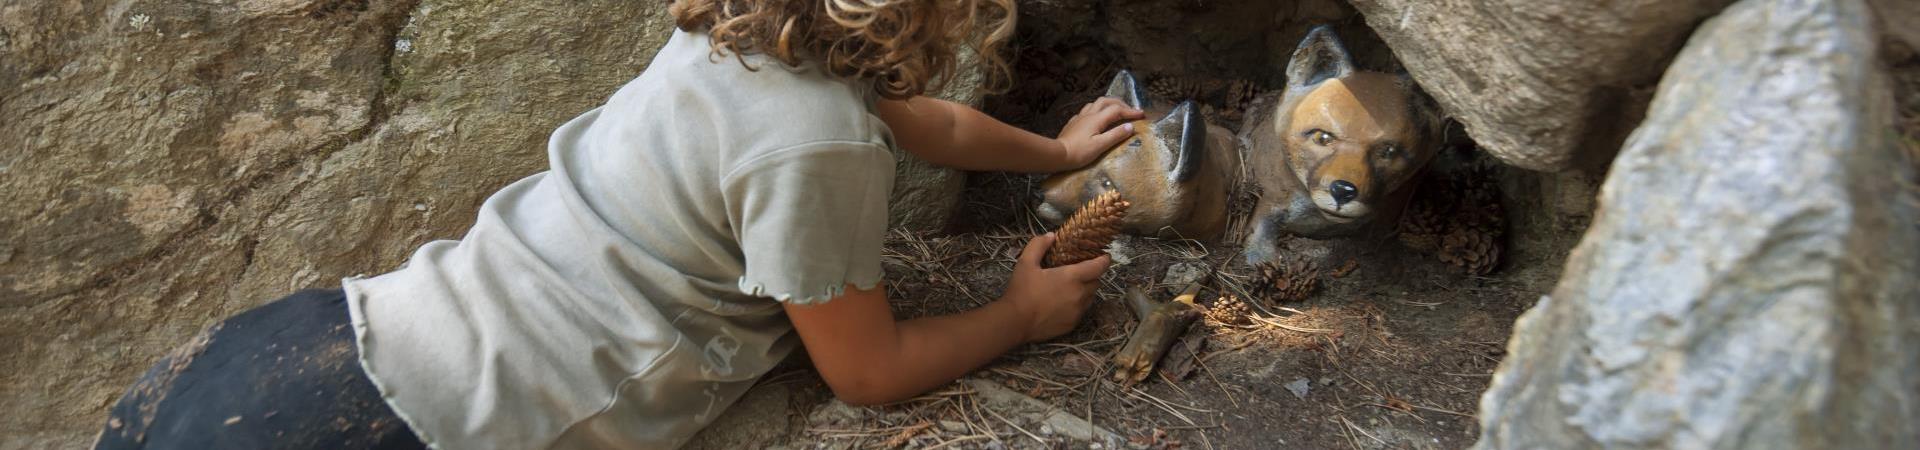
(1334,153)
(1176,171)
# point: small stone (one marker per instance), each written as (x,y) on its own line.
(834,412)
(953,426)
(1299,388)
(1182,274)
(232,420)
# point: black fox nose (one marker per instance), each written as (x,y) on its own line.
(1343,191)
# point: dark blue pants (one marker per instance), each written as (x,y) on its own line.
(283,375)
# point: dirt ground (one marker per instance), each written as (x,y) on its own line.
(1394,353)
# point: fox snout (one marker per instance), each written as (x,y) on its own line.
(1343,187)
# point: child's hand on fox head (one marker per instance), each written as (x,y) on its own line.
(1092,132)
(1052,299)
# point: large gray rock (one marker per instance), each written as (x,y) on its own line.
(925,196)
(1749,281)
(171,163)
(1534,80)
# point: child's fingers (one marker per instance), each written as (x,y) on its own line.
(1089,270)
(1036,249)
(1113,136)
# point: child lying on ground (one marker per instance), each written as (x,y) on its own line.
(720,209)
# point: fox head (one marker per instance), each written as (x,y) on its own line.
(1338,145)
(1170,171)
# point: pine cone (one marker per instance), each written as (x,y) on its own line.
(1287,282)
(1458,218)
(1174,88)
(1423,225)
(1240,92)
(1229,310)
(1211,112)
(1086,235)
(1209,87)
(1467,248)
(1477,192)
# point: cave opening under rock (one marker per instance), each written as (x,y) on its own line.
(1384,341)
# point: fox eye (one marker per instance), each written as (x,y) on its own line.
(1135,143)
(1319,136)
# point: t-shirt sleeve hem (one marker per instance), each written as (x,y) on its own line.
(798,295)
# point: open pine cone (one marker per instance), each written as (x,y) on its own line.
(1240,92)
(1458,218)
(1237,99)
(1174,88)
(1229,310)
(1086,235)
(1287,282)
(1471,249)
(1423,225)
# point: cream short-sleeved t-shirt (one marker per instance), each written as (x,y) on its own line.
(629,294)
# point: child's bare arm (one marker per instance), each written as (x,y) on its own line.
(955,135)
(867,358)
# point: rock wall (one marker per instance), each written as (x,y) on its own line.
(1540,84)
(176,162)
(1748,280)
(168,164)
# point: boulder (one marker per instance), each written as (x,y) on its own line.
(1534,80)
(925,196)
(172,163)
(1748,281)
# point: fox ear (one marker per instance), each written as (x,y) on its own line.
(1183,132)
(1319,57)
(1127,90)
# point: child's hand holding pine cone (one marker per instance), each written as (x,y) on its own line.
(1056,276)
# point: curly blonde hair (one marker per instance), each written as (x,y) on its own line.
(903,47)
